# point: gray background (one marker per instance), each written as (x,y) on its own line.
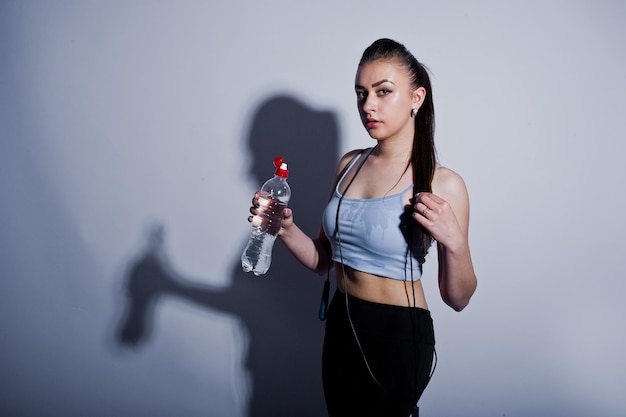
(133,135)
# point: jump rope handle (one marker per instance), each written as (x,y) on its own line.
(324,300)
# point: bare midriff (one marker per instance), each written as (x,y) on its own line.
(379,289)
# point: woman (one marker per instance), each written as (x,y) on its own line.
(389,202)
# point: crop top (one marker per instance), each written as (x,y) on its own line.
(372,235)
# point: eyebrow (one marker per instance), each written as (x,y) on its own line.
(376,84)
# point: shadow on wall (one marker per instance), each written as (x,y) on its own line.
(280,309)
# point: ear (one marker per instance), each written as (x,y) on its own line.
(419,95)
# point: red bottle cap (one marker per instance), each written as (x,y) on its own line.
(281,167)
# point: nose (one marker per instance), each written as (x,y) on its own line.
(369,104)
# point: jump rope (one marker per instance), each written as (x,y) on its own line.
(325,294)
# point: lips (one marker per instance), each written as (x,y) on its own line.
(371,123)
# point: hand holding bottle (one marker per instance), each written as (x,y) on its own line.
(268,206)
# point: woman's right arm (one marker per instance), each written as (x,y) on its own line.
(312,253)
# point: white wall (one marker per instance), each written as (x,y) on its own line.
(116,116)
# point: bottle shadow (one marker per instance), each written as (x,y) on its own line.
(279,310)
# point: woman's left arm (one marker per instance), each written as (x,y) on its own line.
(445,214)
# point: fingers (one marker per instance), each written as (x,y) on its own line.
(429,204)
(258,201)
(255,199)
(423,209)
(423,212)
(259,205)
(428,199)
(424,205)
(436,216)
(255,220)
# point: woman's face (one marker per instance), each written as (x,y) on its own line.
(385,99)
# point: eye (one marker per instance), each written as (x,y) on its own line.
(361,95)
(383,92)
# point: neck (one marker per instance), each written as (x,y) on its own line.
(393,151)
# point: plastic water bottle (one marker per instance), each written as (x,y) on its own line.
(273,198)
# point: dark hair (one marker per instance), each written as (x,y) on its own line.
(423,154)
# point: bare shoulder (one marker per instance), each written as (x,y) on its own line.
(345,160)
(343,164)
(449,185)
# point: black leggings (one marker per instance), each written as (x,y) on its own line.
(398,344)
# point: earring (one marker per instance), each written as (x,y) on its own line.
(414,112)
